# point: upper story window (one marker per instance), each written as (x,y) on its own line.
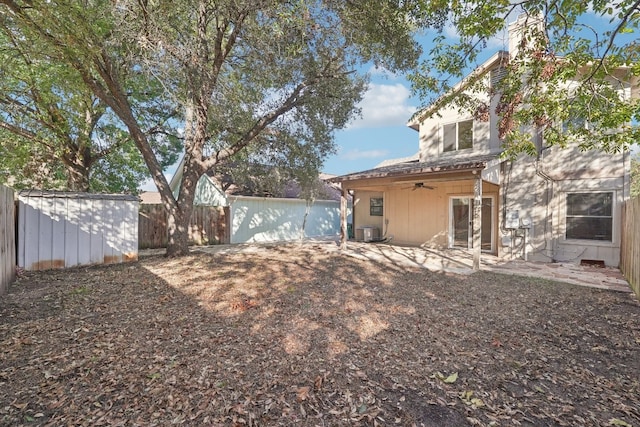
(590,216)
(457,136)
(574,123)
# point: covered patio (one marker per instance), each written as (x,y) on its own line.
(451,202)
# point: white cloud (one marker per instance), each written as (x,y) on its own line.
(384,105)
(364,154)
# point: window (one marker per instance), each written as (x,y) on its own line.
(575,120)
(590,216)
(375,206)
(457,136)
(574,123)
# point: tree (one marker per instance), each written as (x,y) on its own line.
(55,133)
(635,176)
(257,73)
(564,71)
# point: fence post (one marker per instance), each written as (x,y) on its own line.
(7,239)
(630,244)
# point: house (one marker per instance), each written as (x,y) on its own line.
(221,189)
(563,205)
(150,198)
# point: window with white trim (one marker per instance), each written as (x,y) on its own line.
(375,206)
(590,216)
(457,136)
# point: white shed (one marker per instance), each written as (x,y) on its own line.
(59,229)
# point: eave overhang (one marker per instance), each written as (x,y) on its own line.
(442,169)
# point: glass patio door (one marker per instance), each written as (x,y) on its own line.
(461,223)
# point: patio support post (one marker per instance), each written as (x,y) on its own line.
(343,219)
(477,220)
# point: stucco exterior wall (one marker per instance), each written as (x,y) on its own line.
(422,216)
(539,191)
(485,136)
(361,211)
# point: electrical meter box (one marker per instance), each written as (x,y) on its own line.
(512,219)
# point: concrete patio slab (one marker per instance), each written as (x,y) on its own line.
(450,261)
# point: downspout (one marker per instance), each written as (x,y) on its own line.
(549,181)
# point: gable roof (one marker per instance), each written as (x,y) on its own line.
(499,59)
(150,198)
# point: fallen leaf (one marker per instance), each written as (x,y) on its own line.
(302,393)
(618,422)
(317,384)
(478,403)
(451,378)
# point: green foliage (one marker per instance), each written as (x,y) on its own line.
(257,79)
(562,70)
(55,133)
(635,176)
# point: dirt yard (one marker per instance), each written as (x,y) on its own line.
(296,336)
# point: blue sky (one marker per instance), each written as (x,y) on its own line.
(381,132)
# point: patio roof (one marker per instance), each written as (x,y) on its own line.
(447,164)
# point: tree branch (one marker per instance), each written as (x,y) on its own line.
(616,31)
(294,99)
(17,130)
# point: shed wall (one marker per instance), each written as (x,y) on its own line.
(62,230)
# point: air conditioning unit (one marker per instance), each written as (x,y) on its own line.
(370,233)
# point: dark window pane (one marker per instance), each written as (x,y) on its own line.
(375,206)
(486,224)
(465,135)
(461,222)
(574,123)
(449,137)
(589,204)
(589,228)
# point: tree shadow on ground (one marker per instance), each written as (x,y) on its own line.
(293,335)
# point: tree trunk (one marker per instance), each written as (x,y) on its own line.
(179,217)
(77,163)
(178,229)
(77,179)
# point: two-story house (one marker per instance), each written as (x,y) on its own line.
(562,205)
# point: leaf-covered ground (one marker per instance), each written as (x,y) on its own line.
(294,335)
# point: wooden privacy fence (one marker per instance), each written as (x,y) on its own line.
(7,239)
(630,248)
(209,226)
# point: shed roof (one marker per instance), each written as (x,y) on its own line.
(76,195)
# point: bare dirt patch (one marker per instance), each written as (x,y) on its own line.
(297,336)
